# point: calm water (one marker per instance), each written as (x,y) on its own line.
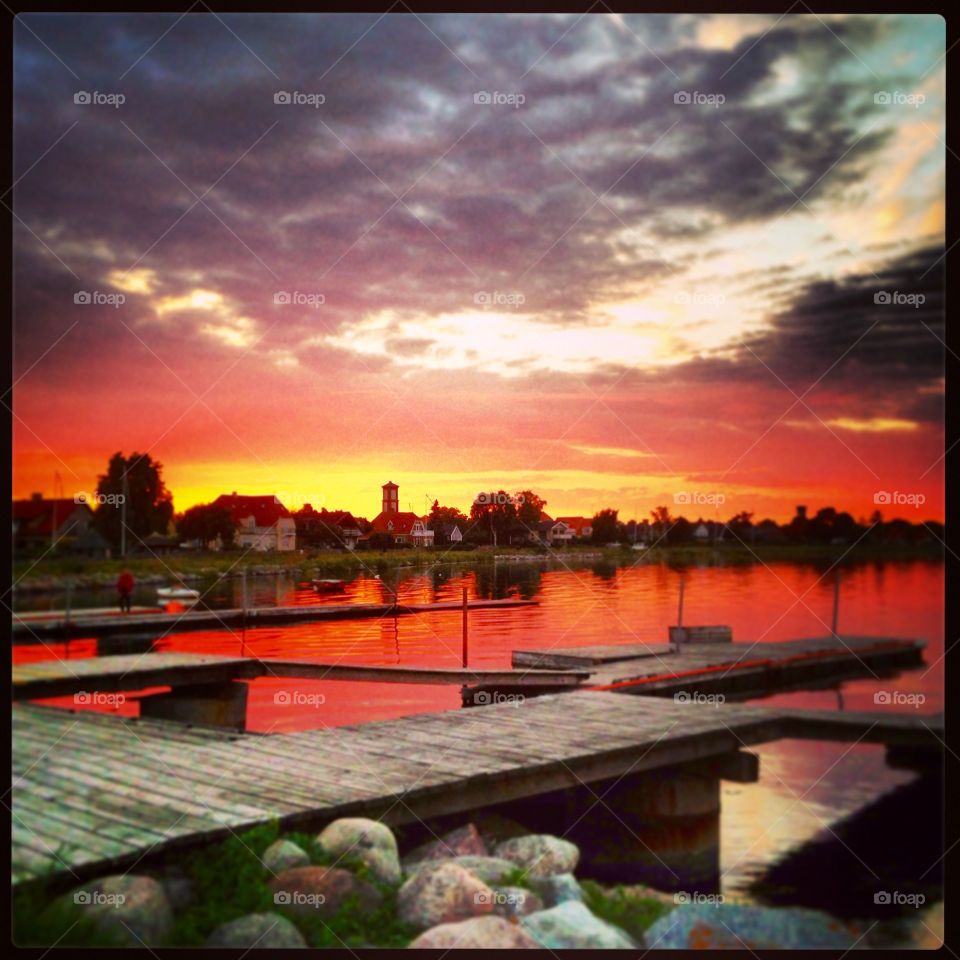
(805,789)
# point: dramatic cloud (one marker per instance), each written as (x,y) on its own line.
(487,243)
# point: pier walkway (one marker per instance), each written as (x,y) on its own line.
(93,792)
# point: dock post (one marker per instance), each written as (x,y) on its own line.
(836,604)
(683,579)
(243,628)
(66,616)
(464,657)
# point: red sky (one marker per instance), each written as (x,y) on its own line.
(603,294)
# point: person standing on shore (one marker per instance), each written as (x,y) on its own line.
(125,583)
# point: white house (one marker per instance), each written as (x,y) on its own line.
(262,523)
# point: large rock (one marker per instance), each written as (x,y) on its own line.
(708,925)
(283,855)
(264,931)
(477,933)
(464,841)
(369,841)
(539,854)
(320,891)
(128,910)
(487,869)
(557,888)
(571,926)
(442,892)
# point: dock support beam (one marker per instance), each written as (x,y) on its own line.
(214,705)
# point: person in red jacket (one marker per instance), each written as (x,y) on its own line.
(125,584)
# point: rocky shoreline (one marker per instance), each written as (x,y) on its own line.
(465,889)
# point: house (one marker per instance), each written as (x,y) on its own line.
(447,533)
(328,528)
(157,543)
(555,533)
(345,527)
(403,528)
(262,522)
(38,523)
(701,532)
(582,527)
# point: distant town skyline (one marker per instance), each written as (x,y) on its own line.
(606,258)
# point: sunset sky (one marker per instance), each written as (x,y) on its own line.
(584,287)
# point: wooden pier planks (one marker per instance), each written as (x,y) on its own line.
(92,791)
(31,628)
(130,672)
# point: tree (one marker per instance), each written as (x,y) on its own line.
(206,522)
(661,522)
(444,515)
(604,526)
(494,516)
(136,484)
(741,525)
(529,508)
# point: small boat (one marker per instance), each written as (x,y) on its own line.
(328,586)
(177,593)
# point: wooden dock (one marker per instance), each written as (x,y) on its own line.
(732,668)
(29,627)
(132,672)
(93,792)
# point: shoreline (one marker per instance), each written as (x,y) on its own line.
(55,574)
